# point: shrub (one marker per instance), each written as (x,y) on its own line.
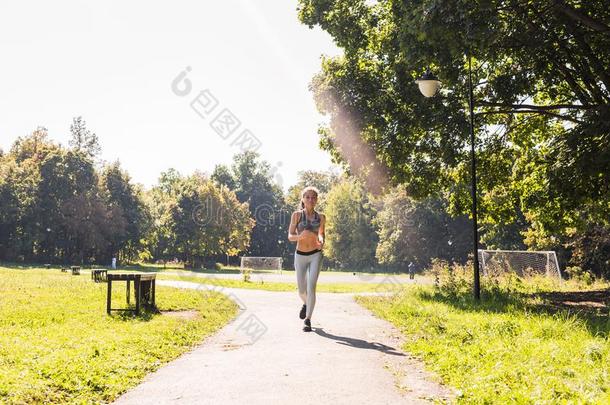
(578,274)
(247,273)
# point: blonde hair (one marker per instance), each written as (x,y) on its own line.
(305,190)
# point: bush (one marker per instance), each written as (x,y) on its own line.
(247,273)
(591,251)
(455,282)
(578,274)
(450,280)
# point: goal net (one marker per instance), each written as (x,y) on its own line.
(523,263)
(261,263)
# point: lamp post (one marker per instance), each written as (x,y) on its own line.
(429,85)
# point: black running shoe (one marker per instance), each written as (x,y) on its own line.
(307,327)
(303,310)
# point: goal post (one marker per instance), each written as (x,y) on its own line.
(261,263)
(521,262)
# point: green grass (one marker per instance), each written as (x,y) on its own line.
(150,267)
(276,286)
(58,345)
(510,348)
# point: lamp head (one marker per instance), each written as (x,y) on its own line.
(428,84)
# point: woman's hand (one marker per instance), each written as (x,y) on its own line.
(319,243)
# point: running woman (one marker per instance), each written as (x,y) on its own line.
(307,230)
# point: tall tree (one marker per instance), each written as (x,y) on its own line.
(9,207)
(129,219)
(60,214)
(419,231)
(350,235)
(541,77)
(322,180)
(222,175)
(253,183)
(82,139)
(195,218)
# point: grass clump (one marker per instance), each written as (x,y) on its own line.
(515,346)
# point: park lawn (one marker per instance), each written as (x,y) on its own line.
(503,351)
(276,286)
(58,345)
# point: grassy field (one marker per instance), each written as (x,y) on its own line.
(521,344)
(58,345)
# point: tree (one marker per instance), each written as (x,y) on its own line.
(70,219)
(59,215)
(542,90)
(61,208)
(222,176)
(82,139)
(419,231)
(129,218)
(9,207)
(322,180)
(253,184)
(194,218)
(350,235)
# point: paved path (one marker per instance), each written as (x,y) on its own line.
(263,357)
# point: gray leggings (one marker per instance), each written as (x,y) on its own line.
(306,280)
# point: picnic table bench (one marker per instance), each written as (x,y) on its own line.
(99,275)
(144,289)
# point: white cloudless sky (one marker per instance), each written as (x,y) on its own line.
(113,62)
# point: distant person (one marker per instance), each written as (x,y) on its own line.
(113,263)
(307,230)
(411,271)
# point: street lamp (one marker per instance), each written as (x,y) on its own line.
(429,85)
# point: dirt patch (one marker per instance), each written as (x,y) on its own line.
(595,302)
(188,315)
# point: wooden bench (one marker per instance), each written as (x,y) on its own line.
(99,275)
(75,270)
(144,290)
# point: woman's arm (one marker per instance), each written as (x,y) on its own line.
(321,234)
(292,229)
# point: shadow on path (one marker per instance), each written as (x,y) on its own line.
(358,343)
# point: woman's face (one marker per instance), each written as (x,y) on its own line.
(310,199)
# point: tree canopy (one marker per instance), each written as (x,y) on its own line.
(350,236)
(541,75)
(251,179)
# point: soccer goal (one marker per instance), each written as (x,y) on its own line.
(521,262)
(261,263)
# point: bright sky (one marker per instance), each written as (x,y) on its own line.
(113,62)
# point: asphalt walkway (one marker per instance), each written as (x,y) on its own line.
(264,357)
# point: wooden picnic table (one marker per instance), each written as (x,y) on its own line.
(144,289)
(99,275)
